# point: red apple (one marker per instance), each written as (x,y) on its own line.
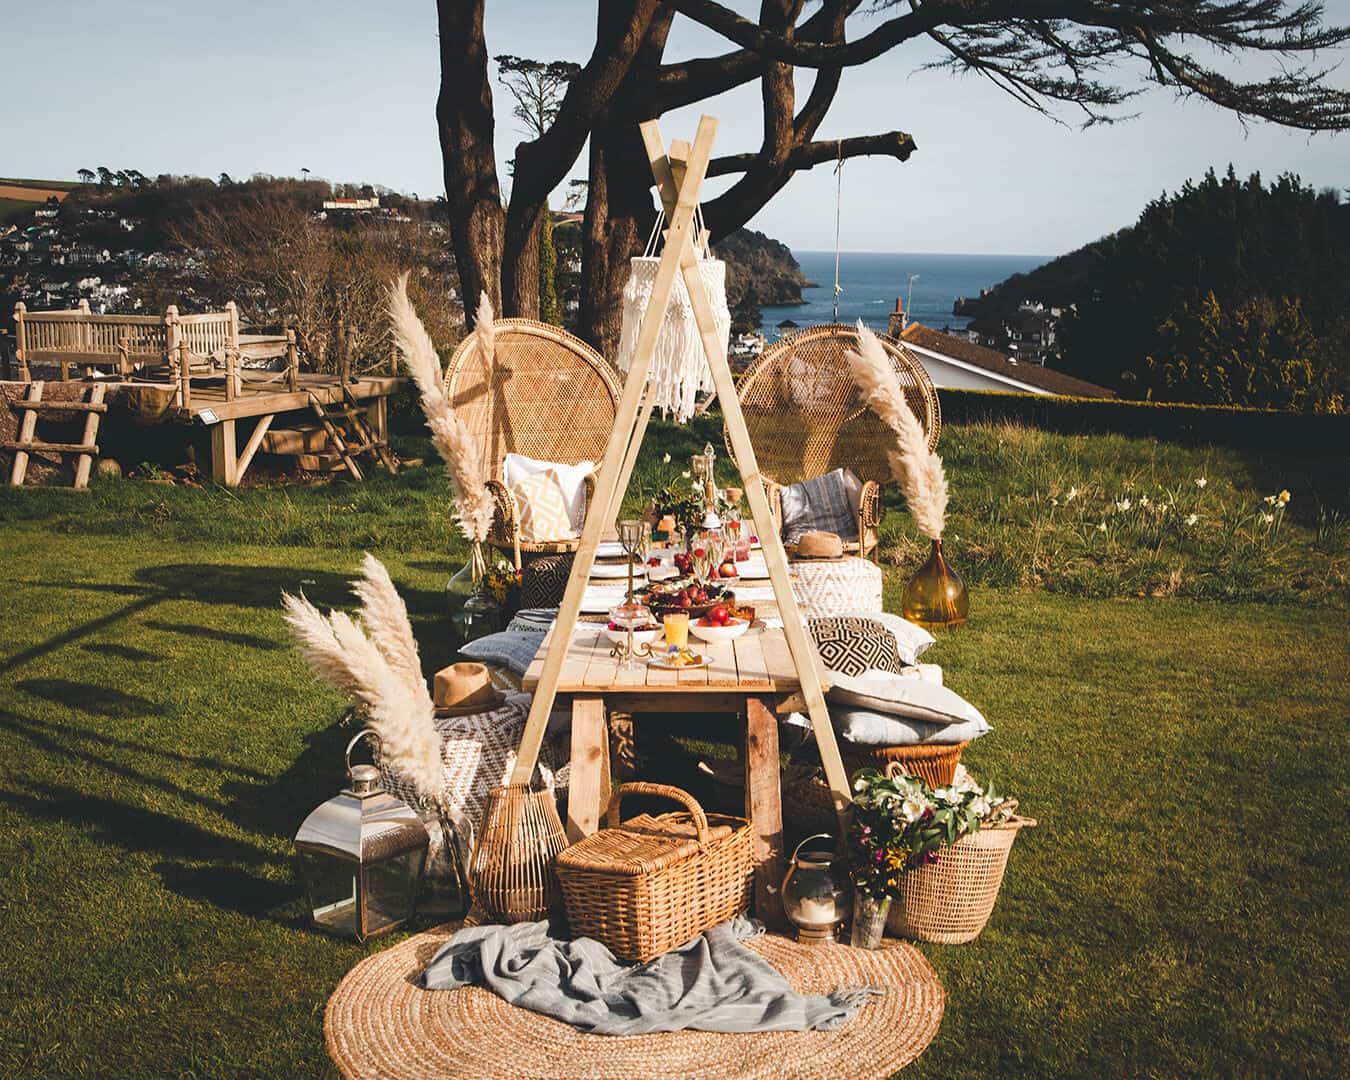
(727,569)
(719,614)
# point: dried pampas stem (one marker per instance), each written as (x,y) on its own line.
(382,672)
(453,441)
(916,469)
(482,329)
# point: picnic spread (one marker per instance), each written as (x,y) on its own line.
(597,937)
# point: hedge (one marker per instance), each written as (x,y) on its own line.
(1224,425)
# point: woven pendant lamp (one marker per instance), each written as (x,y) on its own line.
(679,371)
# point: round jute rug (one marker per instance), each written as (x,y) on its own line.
(380,1024)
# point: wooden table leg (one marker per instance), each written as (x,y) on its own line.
(764,808)
(590,765)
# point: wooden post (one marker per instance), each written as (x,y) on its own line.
(185,376)
(21,341)
(590,761)
(124,355)
(292,362)
(27,427)
(85,462)
(251,447)
(224,464)
(764,807)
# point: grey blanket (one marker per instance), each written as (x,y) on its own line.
(714,983)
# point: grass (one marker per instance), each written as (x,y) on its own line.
(1180,910)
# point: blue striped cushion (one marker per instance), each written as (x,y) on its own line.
(820,504)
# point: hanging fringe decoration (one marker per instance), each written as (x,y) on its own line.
(679,371)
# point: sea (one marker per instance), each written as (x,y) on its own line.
(871,281)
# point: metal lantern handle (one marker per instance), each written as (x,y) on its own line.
(379,745)
(817,836)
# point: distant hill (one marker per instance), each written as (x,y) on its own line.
(761,271)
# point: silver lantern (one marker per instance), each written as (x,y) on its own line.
(360,856)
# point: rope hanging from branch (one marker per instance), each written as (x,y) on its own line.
(838,203)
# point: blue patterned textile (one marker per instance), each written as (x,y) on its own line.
(820,504)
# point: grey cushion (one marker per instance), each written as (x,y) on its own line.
(513,649)
(903,696)
(864,728)
(821,504)
(853,644)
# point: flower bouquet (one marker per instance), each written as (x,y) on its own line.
(939,852)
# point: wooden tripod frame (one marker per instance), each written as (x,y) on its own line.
(679,177)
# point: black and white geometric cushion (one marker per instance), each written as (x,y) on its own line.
(852,645)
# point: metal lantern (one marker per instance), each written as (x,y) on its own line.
(814,892)
(360,856)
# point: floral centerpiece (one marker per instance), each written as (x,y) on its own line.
(900,823)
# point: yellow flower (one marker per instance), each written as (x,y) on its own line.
(1283,497)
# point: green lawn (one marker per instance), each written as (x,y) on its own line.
(1180,910)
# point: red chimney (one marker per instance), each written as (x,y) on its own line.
(895,325)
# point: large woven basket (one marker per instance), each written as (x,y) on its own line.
(950,901)
(511,870)
(936,765)
(654,882)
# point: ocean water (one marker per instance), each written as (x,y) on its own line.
(872,280)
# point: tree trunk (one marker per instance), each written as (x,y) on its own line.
(520,261)
(464,119)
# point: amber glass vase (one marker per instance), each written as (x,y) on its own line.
(936,595)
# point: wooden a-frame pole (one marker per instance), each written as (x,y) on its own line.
(679,195)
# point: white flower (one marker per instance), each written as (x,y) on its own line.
(1143,501)
(1101,526)
(859,785)
(1191,519)
(945,795)
(980,806)
(1267,518)
(686,474)
(1054,502)
(1271,500)
(1123,504)
(1073,494)
(1200,481)
(665,459)
(912,808)
(962,781)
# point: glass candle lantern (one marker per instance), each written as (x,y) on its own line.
(815,892)
(360,856)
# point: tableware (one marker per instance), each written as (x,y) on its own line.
(713,635)
(677,629)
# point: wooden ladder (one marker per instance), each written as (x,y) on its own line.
(367,442)
(32,407)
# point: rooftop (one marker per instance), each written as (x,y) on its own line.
(1043,378)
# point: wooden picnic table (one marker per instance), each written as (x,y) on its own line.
(752,677)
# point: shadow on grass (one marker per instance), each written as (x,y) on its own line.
(229,637)
(99,700)
(122,652)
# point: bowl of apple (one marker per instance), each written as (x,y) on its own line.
(718,625)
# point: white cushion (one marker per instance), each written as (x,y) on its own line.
(911,639)
(902,695)
(571,480)
(862,727)
(542,509)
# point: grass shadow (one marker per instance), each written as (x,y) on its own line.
(228,637)
(121,652)
(99,700)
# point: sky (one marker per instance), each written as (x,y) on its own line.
(348,90)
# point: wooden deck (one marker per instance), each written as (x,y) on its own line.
(258,399)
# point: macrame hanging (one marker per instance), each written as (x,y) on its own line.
(679,372)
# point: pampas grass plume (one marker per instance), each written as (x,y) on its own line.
(916,469)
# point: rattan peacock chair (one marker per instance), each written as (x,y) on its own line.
(544,393)
(806,417)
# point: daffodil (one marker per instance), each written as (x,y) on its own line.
(1200,481)
(1191,519)
(1101,526)
(1073,494)
(1123,504)
(665,459)
(1271,500)
(1284,497)
(1267,518)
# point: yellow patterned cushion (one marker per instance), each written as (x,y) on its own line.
(543,510)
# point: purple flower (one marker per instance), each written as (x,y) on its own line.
(876,856)
(930,857)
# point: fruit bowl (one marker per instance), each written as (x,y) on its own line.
(719,632)
(668,597)
(646,636)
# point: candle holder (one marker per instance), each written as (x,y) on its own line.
(634,539)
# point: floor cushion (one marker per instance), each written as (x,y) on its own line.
(861,727)
(826,503)
(512,649)
(911,639)
(904,696)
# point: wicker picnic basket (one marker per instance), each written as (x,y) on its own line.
(651,884)
(950,901)
(933,763)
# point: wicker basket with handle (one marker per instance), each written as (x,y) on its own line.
(651,884)
(933,763)
(950,901)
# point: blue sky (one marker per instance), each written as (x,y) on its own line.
(348,90)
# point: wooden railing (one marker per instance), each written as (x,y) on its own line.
(131,343)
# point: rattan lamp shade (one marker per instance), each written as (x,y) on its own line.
(806,417)
(543,393)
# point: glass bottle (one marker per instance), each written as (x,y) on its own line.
(936,595)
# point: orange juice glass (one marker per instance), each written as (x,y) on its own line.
(677,630)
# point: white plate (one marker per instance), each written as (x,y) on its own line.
(658,662)
(609,549)
(598,599)
(617,570)
(661,573)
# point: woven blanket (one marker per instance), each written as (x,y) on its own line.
(713,983)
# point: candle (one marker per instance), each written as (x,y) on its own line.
(817,911)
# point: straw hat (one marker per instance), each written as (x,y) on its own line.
(820,545)
(465,688)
